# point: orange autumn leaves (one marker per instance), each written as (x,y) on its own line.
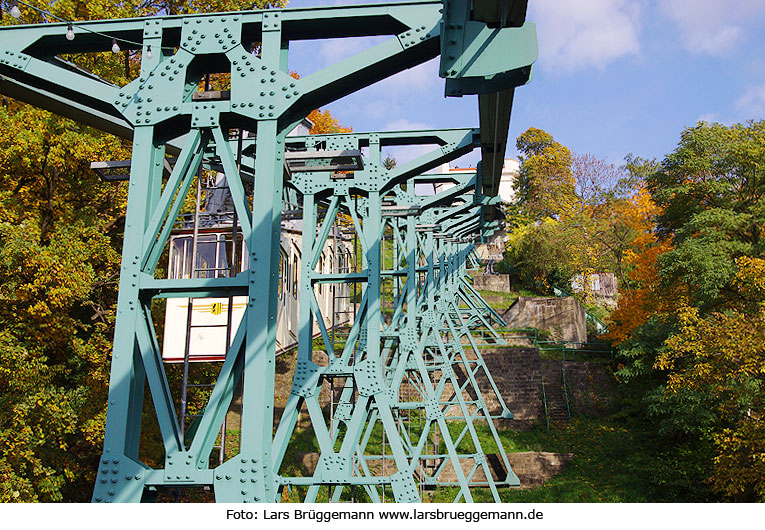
(324,122)
(638,303)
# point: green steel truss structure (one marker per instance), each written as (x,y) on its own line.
(414,364)
(409,398)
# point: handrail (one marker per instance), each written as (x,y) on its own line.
(571,347)
(565,391)
(544,400)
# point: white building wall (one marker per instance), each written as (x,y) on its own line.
(510,170)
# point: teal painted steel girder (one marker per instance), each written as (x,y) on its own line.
(162,113)
(376,399)
(411,340)
(476,59)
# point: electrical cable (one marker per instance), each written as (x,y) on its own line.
(71,25)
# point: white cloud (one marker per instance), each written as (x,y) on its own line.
(586,33)
(752,103)
(420,80)
(711,26)
(402,124)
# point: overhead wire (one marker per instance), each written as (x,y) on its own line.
(72,25)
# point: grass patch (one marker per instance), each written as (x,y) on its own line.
(611,464)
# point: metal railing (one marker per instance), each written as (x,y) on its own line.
(569,350)
(565,391)
(544,400)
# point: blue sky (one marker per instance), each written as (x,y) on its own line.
(613,76)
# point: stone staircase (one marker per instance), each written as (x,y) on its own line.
(554,396)
(518,373)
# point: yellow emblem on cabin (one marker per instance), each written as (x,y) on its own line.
(217,308)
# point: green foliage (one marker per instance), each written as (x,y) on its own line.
(58,269)
(576,215)
(712,194)
(613,461)
(699,360)
(539,253)
(53,352)
(545,186)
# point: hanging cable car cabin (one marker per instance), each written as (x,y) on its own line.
(204,326)
(208,244)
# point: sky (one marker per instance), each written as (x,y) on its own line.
(613,77)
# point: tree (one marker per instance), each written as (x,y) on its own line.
(638,300)
(577,215)
(325,123)
(711,193)
(596,179)
(389,162)
(699,349)
(545,186)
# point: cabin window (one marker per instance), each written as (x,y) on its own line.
(180,258)
(321,270)
(295,273)
(282,260)
(212,256)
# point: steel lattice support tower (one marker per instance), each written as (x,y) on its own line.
(486,48)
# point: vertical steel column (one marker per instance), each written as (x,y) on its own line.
(120,476)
